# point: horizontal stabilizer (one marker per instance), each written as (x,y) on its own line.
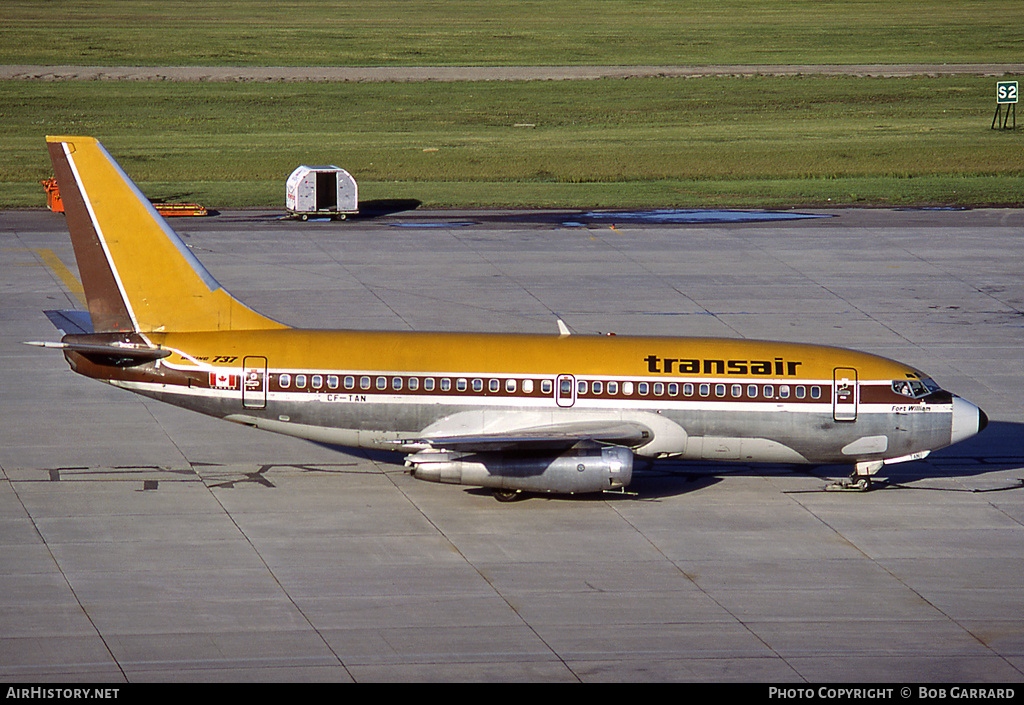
(76,322)
(117,355)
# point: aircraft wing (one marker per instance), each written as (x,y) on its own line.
(551,437)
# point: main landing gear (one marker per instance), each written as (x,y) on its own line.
(507,495)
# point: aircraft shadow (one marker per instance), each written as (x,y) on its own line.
(999,447)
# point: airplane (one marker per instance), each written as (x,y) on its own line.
(514,413)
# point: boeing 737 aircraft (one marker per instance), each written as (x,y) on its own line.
(515,413)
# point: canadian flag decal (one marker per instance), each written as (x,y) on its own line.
(223,380)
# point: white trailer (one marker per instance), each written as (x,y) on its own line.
(321,190)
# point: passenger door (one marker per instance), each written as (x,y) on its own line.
(254,382)
(845,394)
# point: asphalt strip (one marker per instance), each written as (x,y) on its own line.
(328,74)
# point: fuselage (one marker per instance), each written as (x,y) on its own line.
(718,399)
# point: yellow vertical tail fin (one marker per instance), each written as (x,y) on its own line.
(136,271)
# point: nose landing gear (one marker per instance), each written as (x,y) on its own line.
(853,483)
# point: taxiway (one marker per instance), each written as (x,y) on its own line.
(140,542)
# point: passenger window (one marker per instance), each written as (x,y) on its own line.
(752,391)
(597,387)
(769,391)
(510,386)
(719,390)
(461,384)
(673,389)
(613,387)
(527,386)
(350,382)
(382,383)
(478,385)
(659,389)
(332,381)
(396,384)
(627,388)
(494,385)
(428,384)
(643,388)
(688,389)
(705,390)
(364,382)
(815,392)
(300,381)
(737,391)
(581,388)
(801,391)
(285,381)
(317,381)
(784,392)
(446,384)
(414,384)
(546,386)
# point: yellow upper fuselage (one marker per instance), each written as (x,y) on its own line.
(629,356)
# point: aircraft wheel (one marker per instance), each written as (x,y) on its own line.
(854,483)
(507,495)
(860,483)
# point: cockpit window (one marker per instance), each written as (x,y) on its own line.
(914,388)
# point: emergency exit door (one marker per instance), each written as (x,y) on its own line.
(565,390)
(845,394)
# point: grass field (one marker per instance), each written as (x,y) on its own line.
(601,143)
(509,32)
(636,142)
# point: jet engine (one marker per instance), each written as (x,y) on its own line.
(575,471)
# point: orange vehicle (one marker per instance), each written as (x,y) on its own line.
(55,204)
(53,201)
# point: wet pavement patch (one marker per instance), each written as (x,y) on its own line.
(691,216)
(431,225)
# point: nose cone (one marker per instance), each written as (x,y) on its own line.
(968,420)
